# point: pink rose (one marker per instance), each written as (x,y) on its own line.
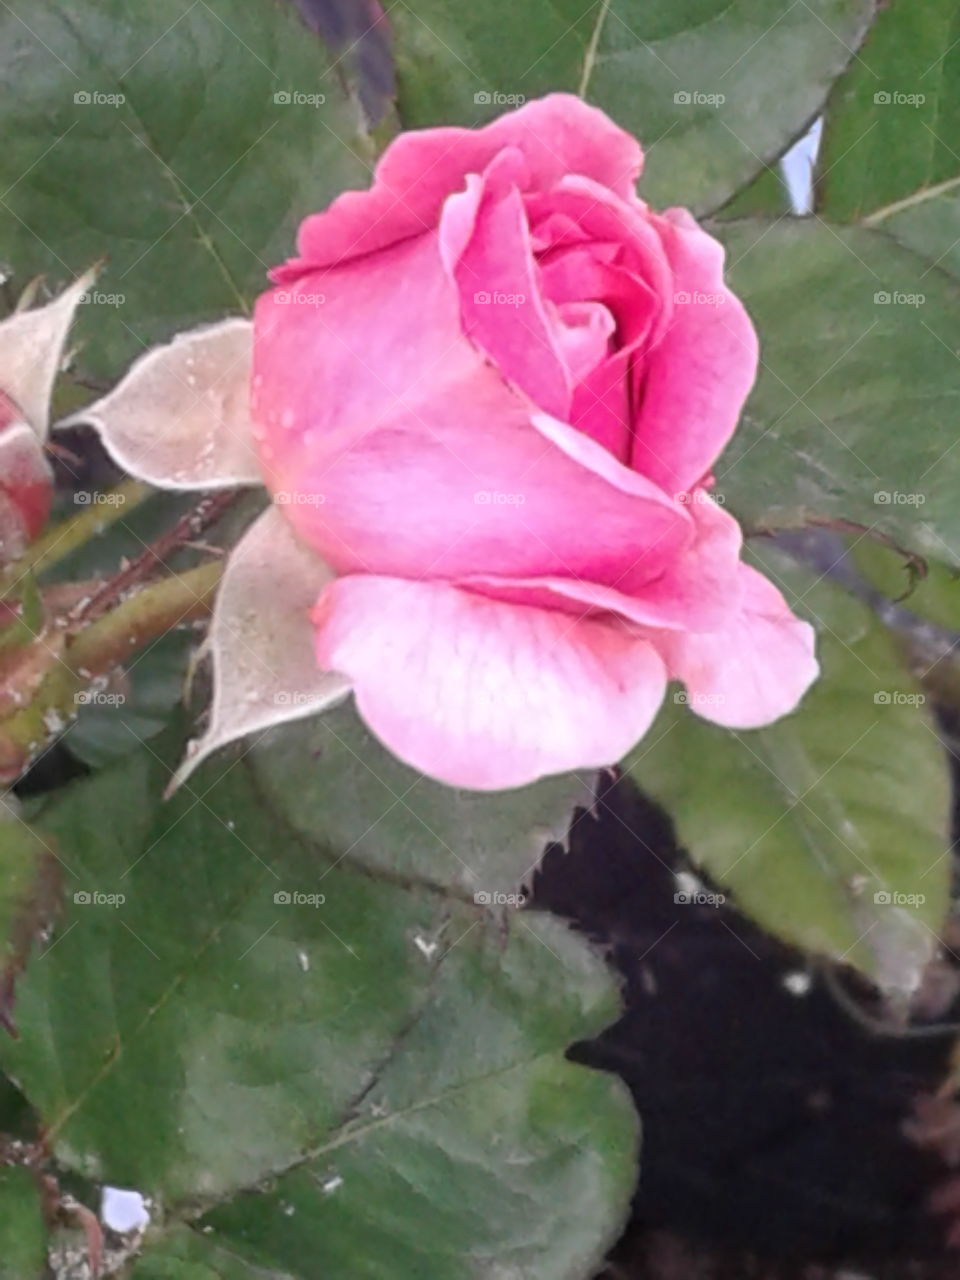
(489,393)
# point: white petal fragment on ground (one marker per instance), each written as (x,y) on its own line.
(265,670)
(123,1211)
(31,351)
(180,419)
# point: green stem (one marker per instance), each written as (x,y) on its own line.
(57,543)
(96,651)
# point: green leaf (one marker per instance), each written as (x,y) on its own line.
(766,197)
(657,67)
(182,1254)
(193,184)
(807,821)
(853,416)
(30,888)
(331,779)
(467,1137)
(935,596)
(23,1235)
(249,1011)
(135,709)
(929,224)
(892,120)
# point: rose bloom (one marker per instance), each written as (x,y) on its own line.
(488,393)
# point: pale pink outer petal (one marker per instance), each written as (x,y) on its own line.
(481,694)
(704,584)
(558,135)
(180,418)
(265,670)
(751,672)
(697,376)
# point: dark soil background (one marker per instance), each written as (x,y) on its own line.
(773,1122)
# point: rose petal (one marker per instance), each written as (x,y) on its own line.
(31,352)
(600,405)
(481,694)
(752,671)
(584,329)
(400,451)
(558,135)
(606,219)
(496,277)
(181,416)
(264,669)
(701,589)
(695,381)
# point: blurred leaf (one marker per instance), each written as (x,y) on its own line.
(192,185)
(23,1235)
(17,1119)
(331,779)
(465,1155)
(934,597)
(30,891)
(808,821)
(182,1254)
(248,1010)
(930,225)
(853,415)
(657,67)
(893,119)
(136,707)
(766,197)
(358,30)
